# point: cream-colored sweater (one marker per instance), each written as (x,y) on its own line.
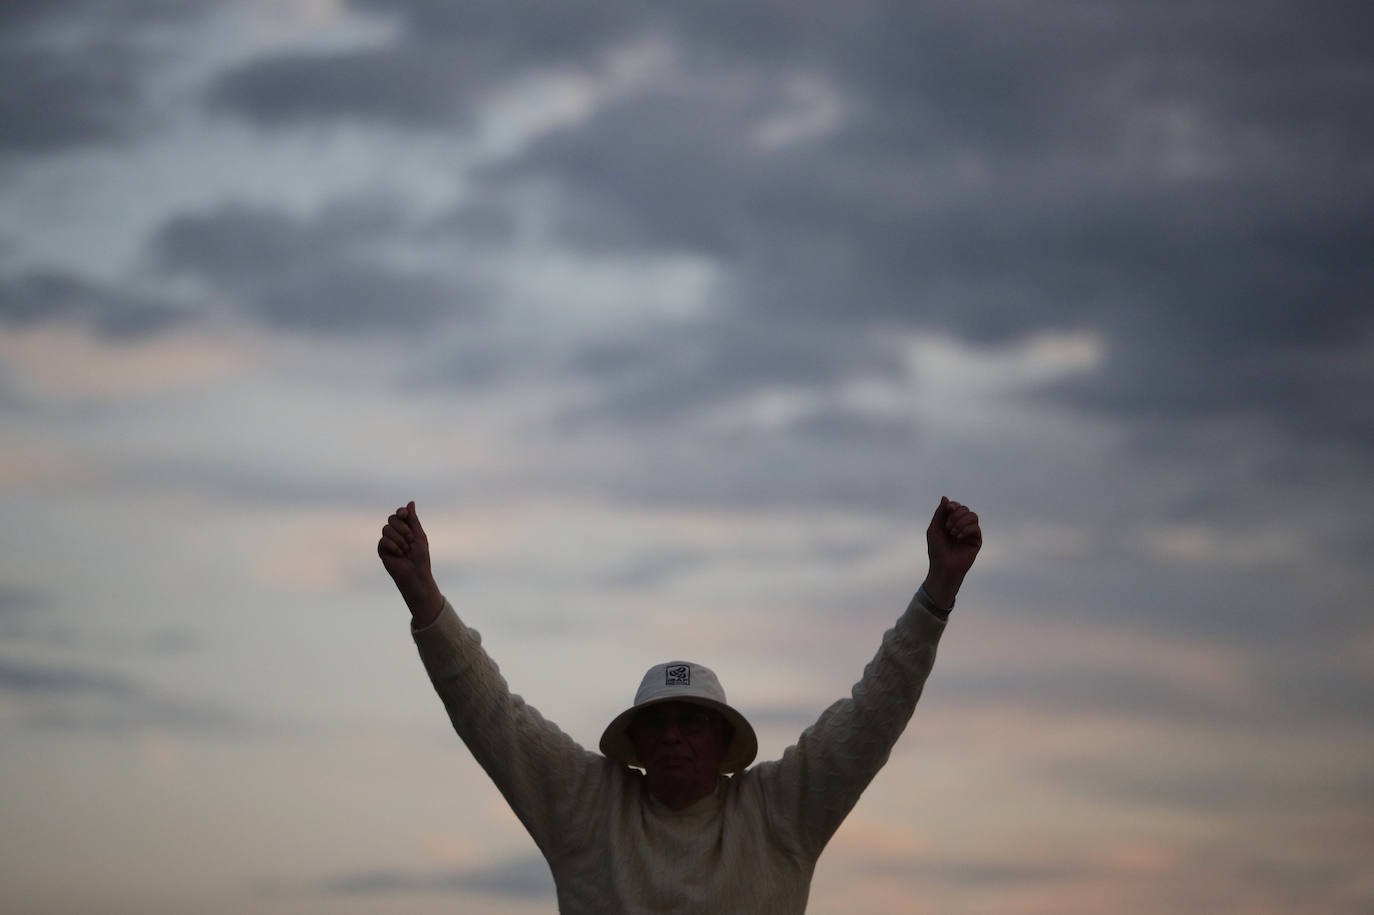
(749,848)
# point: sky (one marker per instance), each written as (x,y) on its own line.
(676,321)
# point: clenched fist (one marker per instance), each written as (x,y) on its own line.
(952,540)
(404,551)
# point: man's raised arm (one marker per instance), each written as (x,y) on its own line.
(544,775)
(815,784)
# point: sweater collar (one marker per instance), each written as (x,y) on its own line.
(706,806)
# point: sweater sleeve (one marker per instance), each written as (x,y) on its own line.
(549,780)
(818,780)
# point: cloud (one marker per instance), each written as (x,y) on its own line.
(408,86)
(661,374)
(19,610)
(853,170)
(60,369)
(50,101)
(986,872)
(444,61)
(683,313)
(655,567)
(328,273)
(1310,392)
(94,700)
(1006,199)
(73,72)
(47,296)
(1216,792)
(22,618)
(16,602)
(1069,680)
(1199,301)
(523,877)
(30,13)
(257,481)
(36,679)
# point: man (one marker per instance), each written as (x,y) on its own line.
(697,831)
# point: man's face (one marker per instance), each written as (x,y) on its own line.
(680,745)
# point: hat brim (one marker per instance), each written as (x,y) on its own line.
(744,744)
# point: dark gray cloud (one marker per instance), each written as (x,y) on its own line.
(448,57)
(80,698)
(671,167)
(1029,79)
(327,273)
(1247,877)
(483,221)
(15,14)
(174,640)
(1187,185)
(786,718)
(15,602)
(984,873)
(524,877)
(1308,394)
(254,482)
(19,611)
(1123,583)
(656,567)
(1001,78)
(559,30)
(41,296)
(74,72)
(739,472)
(408,86)
(1296,697)
(1185,182)
(660,374)
(1227,792)
(1216,320)
(25,615)
(51,100)
(38,679)
(1230,284)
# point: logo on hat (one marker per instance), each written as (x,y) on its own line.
(679,675)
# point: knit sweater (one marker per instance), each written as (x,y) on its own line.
(750,847)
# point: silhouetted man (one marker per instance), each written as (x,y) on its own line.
(697,831)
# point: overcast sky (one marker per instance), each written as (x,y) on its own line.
(677,320)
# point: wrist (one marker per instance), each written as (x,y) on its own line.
(942,589)
(425,600)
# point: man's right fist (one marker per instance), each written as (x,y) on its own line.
(404,551)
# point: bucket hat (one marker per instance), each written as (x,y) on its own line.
(681,681)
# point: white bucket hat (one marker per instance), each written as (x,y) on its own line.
(681,681)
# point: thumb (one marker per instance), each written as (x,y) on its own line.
(410,513)
(941,511)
